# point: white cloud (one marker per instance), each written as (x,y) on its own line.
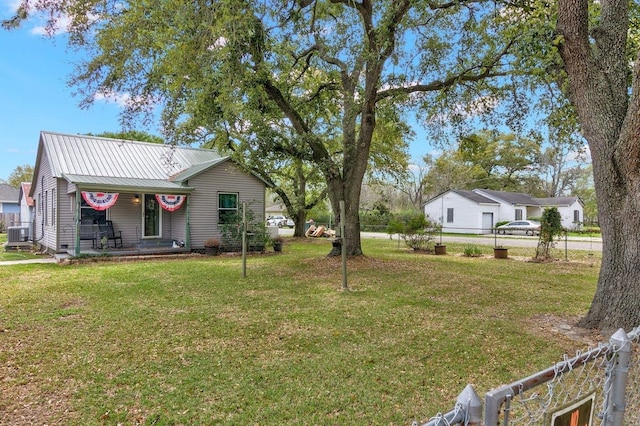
(121,99)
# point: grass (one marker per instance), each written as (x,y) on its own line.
(192,342)
(15,254)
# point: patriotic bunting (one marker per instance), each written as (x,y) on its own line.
(100,200)
(170,202)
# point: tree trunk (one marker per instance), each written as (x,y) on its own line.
(597,69)
(352,216)
(616,303)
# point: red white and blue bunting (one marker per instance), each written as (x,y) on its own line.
(170,202)
(100,200)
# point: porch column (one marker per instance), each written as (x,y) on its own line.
(77,230)
(187,240)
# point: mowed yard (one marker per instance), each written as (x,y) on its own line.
(190,341)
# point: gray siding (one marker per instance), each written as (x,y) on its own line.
(45,231)
(66,215)
(204,200)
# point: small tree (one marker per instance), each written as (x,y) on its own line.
(231,233)
(550,225)
(417,231)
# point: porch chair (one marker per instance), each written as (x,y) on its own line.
(88,232)
(106,231)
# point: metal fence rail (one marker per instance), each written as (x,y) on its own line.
(611,372)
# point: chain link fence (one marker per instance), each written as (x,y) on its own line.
(608,376)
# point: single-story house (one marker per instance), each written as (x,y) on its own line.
(9,199)
(479,210)
(152,195)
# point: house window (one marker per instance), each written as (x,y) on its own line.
(46,206)
(152,216)
(576,216)
(227,207)
(449,215)
(53,207)
(518,214)
(87,213)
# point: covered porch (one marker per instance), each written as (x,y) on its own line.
(123,216)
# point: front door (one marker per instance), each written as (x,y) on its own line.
(152,226)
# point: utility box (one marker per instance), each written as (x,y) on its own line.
(17,234)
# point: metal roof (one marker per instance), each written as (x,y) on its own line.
(101,183)
(197,169)
(79,155)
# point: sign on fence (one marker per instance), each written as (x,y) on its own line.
(580,413)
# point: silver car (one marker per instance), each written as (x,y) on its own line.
(528,227)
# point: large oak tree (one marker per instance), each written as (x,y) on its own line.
(598,45)
(323,68)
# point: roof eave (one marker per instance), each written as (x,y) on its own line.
(178,190)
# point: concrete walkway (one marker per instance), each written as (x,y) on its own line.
(27,261)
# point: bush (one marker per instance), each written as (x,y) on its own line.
(472,250)
(257,236)
(417,231)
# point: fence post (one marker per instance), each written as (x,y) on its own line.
(469,398)
(468,411)
(621,344)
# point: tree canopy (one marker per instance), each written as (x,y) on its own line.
(20,174)
(323,74)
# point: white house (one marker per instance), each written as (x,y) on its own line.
(478,211)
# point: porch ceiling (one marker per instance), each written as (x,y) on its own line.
(121,184)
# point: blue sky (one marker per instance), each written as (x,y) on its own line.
(34,96)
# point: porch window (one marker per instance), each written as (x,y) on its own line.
(152,216)
(89,214)
(227,207)
(449,215)
(518,214)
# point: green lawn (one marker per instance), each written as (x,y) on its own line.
(174,342)
(15,254)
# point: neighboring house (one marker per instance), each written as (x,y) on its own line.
(9,199)
(273,209)
(26,208)
(154,194)
(479,210)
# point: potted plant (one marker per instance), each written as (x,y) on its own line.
(500,252)
(440,248)
(212,247)
(277,243)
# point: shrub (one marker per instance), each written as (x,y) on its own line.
(257,235)
(550,226)
(417,231)
(472,250)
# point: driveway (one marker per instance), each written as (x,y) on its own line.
(572,243)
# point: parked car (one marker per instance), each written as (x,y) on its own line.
(528,227)
(277,220)
(290,223)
